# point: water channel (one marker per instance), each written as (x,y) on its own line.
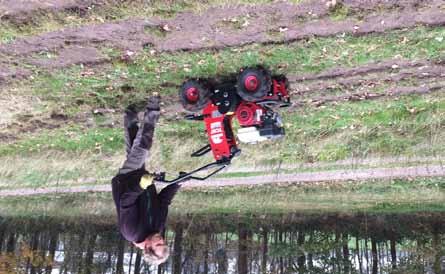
(292,243)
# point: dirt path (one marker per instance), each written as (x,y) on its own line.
(214,29)
(298,178)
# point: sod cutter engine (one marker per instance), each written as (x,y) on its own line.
(250,96)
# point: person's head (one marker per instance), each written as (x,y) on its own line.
(155,250)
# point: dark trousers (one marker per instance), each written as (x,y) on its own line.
(139,139)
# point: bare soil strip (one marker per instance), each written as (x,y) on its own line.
(22,11)
(216,28)
(306,177)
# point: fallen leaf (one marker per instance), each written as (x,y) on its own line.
(166,27)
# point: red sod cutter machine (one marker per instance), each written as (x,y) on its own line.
(250,97)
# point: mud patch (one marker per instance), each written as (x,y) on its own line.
(10,72)
(272,23)
(72,56)
(123,35)
(371,81)
(371,75)
(24,123)
(19,127)
(12,105)
(21,11)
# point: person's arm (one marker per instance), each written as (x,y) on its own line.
(165,198)
(131,191)
(129,194)
(125,194)
(130,212)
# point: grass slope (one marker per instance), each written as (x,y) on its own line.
(409,125)
(388,196)
(125,82)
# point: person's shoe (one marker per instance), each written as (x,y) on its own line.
(153,103)
(131,116)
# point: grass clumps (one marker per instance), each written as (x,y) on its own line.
(338,11)
(152,71)
(69,139)
(370,196)
(410,125)
(389,196)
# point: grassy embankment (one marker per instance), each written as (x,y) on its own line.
(75,153)
(389,196)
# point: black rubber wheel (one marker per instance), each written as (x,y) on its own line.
(194,95)
(253,84)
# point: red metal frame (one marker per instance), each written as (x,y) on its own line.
(279,90)
(219,131)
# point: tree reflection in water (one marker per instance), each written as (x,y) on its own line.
(233,244)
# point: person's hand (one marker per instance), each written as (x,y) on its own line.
(146,181)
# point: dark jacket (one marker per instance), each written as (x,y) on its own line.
(140,212)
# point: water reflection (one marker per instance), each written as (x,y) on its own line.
(233,244)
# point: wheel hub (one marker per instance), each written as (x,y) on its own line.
(192,94)
(251,83)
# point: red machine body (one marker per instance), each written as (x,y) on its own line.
(249,114)
(219,132)
(249,98)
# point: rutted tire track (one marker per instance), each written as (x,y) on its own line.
(367,82)
(389,78)
(212,30)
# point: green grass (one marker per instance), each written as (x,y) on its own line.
(57,205)
(393,196)
(339,12)
(164,72)
(387,127)
(371,196)
(69,139)
(383,128)
(408,126)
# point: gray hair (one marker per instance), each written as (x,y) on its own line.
(154,259)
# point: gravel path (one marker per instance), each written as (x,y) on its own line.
(305,177)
